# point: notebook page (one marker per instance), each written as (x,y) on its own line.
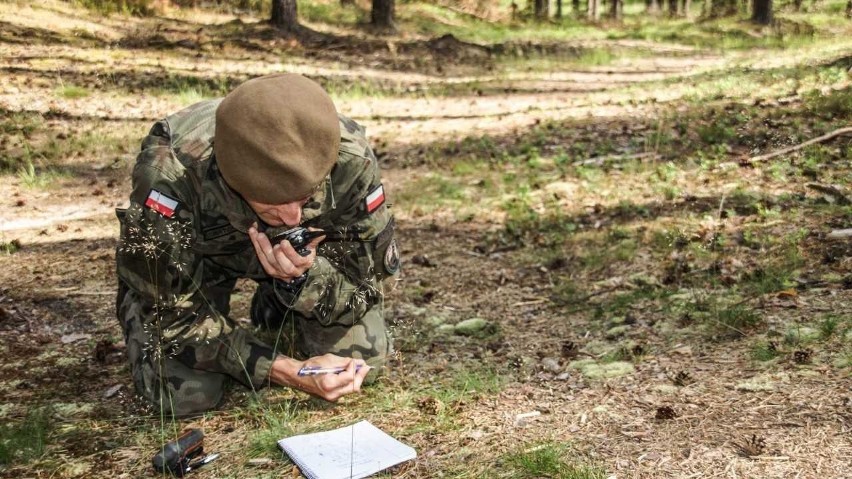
(332,454)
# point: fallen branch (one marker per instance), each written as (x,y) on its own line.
(840,234)
(819,139)
(832,191)
(601,160)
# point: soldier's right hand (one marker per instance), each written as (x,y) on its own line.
(331,387)
(281,261)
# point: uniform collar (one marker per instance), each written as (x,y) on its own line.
(234,207)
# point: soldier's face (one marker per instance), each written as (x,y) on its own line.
(286,214)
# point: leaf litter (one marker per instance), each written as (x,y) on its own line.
(622,416)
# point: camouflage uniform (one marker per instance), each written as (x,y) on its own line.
(178,268)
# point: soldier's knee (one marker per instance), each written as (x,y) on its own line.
(182,405)
(182,391)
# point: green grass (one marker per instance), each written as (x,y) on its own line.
(551,460)
(72,92)
(466,383)
(27,440)
(190,88)
(736,320)
(122,7)
(331,13)
(764,351)
(10,247)
(829,326)
(36,179)
(272,422)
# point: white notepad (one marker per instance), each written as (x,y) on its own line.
(351,452)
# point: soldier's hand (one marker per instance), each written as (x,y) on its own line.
(330,387)
(281,261)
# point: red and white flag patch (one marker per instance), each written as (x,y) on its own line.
(375,199)
(161,203)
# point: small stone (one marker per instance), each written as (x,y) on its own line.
(435,321)
(802,334)
(563,377)
(617,331)
(474,327)
(592,370)
(757,384)
(551,365)
(446,329)
(73,338)
(112,391)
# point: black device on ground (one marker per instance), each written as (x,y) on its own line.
(178,457)
(299,238)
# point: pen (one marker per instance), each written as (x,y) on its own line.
(315,370)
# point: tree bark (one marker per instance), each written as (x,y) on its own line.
(616,9)
(542,9)
(559,9)
(652,7)
(684,8)
(575,5)
(723,8)
(285,15)
(673,8)
(594,10)
(382,14)
(762,12)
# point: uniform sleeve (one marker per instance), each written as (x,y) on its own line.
(155,258)
(346,278)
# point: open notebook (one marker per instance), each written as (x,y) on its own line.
(351,452)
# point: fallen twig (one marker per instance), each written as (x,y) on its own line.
(840,234)
(839,196)
(819,139)
(600,160)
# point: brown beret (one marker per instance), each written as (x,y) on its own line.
(276,138)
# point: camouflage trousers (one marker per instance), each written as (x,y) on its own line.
(177,390)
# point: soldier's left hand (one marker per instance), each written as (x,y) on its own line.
(281,261)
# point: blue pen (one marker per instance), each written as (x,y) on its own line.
(316,370)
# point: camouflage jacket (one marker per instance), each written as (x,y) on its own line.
(184,243)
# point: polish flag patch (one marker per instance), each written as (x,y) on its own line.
(375,199)
(161,203)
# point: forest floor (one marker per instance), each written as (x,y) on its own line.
(638,296)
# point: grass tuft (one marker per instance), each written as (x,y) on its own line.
(551,460)
(27,440)
(765,351)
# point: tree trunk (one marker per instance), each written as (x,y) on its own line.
(347,3)
(575,5)
(652,7)
(723,8)
(284,15)
(849,9)
(382,15)
(616,9)
(762,12)
(542,9)
(559,9)
(684,8)
(673,8)
(594,10)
